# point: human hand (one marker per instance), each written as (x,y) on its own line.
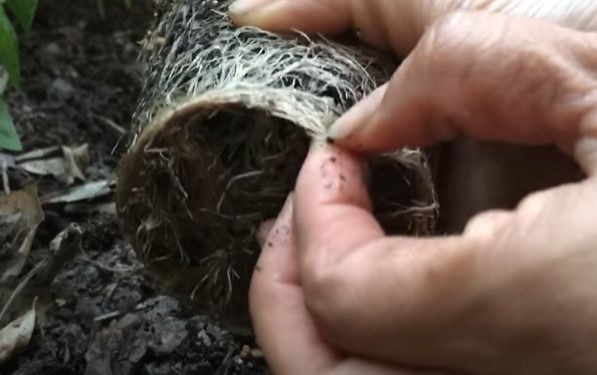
(285,330)
(484,302)
(398,25)
(501,173)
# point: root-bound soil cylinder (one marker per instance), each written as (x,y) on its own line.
(223,125)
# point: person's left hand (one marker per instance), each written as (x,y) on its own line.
(276,286)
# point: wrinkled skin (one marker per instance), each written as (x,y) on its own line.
(511,291)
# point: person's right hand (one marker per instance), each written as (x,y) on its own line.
(474,175)
(514,294)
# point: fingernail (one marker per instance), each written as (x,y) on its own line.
(286,207)
(345,126)
(356,118)
(243,7)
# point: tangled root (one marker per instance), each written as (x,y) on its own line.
(222,129)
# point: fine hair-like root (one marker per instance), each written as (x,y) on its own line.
(223,125)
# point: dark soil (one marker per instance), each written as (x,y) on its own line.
(80,84)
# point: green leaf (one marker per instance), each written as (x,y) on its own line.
(9,138)
(128,3)
(24,11)
(9,48)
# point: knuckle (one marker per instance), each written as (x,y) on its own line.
(450,34)
(481,56)
(531,72)
(457,25)
(487,224)
(534,204)
(324,287)
(447,52)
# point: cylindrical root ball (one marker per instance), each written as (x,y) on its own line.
(224,123)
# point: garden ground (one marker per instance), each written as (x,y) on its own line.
(96,314)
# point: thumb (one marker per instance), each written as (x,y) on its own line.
(396,294)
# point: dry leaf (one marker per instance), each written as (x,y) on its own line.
(37,154)
(86,192)
(45,167)
(20,215)
(16,335)
(76,160)
(91,208)
(25,203)
(18,261)
(64,163)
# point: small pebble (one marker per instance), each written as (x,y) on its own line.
(245,352)
(204,338)
(256,353)
(61,89)
(53,49)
